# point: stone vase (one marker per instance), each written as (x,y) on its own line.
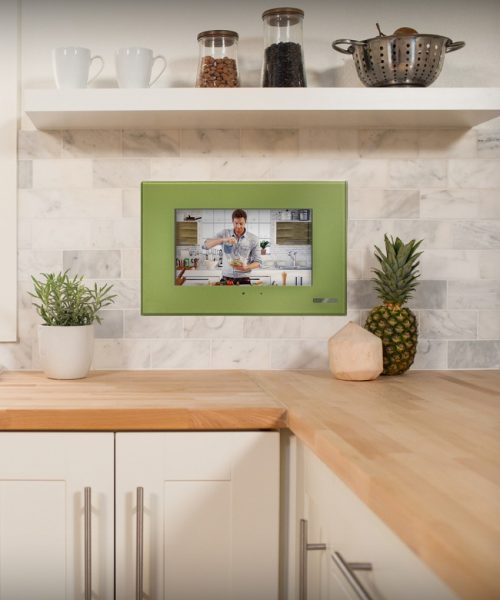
(355,354)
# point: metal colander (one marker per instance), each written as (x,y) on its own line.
(405,61)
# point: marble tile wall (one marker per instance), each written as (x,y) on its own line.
(79,210)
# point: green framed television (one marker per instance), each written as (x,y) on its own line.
(244,248)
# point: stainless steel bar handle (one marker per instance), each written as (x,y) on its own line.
(304,548)
(303,560)
(347,569)
(87,492)
(139,556)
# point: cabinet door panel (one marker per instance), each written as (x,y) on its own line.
(30,523)
(42,481)
(211,514)
(196,514)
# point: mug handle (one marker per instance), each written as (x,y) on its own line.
(159,57)
(96,57)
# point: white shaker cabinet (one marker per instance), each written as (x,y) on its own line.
(360,551)
(197,515)
(56,538)
(206,525)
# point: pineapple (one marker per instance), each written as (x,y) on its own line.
(395,324)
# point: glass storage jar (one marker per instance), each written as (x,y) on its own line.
(218,63)
(283,57)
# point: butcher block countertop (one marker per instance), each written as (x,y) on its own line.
(421,450)
(137,400)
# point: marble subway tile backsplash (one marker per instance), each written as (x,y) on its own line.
(151,143)
(451,325)
(430,173)
(272,327)
(484,172)
(111,325)
(241,353)
(327,142)
(24,174)
(474,355)
(31,262)
(39,144)
(449,204)
(213,327)
(448,143)
(95,264)
(137,326)
(489,325)
(489,264)
(450,264)
(474,294)
(488,144)
(91,144)
(367,203)
(63,234)
(476,235)
(79,209)
(69,204)
(117,172)
(211,142)
(181,354)
(431,354)
(62,173)
(298,354)
(392,143)
(273,142)
(122,354)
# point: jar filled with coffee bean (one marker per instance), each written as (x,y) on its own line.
(283,57)
(218,64)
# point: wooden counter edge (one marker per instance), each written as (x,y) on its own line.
(143,419)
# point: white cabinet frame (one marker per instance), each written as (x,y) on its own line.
(9,111)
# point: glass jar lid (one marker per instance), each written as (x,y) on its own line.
(225,33)
(276,15)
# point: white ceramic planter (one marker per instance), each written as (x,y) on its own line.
(66,352)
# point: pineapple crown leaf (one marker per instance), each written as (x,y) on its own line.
(397,276)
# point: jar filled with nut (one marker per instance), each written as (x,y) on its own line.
(218,65)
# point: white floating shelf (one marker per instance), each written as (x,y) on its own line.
(249,108)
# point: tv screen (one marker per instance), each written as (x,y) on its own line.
(249,247)
(243,246)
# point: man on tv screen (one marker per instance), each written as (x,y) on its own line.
(241,251)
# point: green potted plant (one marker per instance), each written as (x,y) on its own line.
(264,245)
(69,309)
(395,281)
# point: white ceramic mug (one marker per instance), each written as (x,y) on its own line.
(72,65)
(135,65)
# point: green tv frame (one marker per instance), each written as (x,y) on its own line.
(326,295)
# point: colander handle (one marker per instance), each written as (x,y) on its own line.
(452,46)
(350,50)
